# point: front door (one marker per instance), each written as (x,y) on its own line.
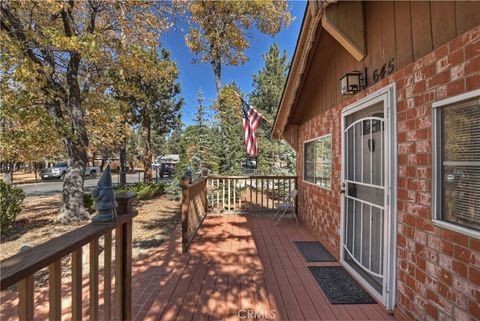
(367,243)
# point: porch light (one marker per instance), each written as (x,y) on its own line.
(352,82)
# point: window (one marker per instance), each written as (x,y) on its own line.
(317,161)
(456,154)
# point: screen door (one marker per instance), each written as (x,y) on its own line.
(366,221)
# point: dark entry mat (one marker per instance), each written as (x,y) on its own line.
(339,286)
(313,251)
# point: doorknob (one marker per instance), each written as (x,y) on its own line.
(342,189)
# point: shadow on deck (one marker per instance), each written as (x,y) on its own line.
(238,268)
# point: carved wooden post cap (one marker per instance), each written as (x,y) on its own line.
(125,202)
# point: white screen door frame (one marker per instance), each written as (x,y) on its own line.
(387,95)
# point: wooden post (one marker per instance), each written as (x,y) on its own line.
(25,304)
(295,182)
(229,196)
(77,279)
(127,271)
(93,280)
(205,190)
(119,273)
(107,277)
(123,271)
(185,210)
(261,182)
(55,290)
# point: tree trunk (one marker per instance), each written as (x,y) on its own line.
(73,208)
(76,144)
(35,169)
(217,70)
(123,163)
(148,156)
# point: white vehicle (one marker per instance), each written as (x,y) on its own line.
(60,169)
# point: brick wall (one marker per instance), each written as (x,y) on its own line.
(438,271)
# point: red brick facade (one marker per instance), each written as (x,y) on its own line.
(438,271)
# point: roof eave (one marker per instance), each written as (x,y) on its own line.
(311,21)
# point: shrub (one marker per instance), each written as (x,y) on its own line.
(144,190)
(11,199)
(89,202)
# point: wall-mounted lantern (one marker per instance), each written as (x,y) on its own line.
(352,82)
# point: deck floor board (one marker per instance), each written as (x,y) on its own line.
(239,267)
(248,264)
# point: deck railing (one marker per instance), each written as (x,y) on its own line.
(248,194)
(20,269)
(194,208)
(230,194)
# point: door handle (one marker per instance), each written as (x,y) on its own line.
(342,189)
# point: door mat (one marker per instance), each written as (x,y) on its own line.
(339,286)
(314,251)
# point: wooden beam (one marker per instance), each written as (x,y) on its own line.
(291,136)
(345,22)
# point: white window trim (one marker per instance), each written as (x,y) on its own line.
(331,159)
(436,188)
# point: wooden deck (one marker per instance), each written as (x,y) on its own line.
(236,263)
(244,263)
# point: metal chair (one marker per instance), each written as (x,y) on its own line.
(287,204)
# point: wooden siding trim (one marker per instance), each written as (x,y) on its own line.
(291,136)
(397,34)
(348,35)
(294,80)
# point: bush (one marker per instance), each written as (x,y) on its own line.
(89,202)
(143,190)
(11,199)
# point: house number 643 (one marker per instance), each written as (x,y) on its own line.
(386,69)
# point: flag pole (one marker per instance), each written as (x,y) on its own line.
(238,95)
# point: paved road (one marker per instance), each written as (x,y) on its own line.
(45,188)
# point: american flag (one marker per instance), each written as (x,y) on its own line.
(251,121)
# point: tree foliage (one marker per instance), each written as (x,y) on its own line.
(63,55)
(11,199)
(230,136)
(197,145)
(219,29)
(275,157)
(153,100)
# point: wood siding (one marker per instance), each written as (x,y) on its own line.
(405,31)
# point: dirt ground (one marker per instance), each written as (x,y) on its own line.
(156,219)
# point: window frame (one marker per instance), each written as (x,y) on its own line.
(331,160)
(436,164)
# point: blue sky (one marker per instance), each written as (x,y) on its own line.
(194,77)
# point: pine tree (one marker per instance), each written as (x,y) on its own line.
(197,145)
(275,157)
(172,140)
(230,145)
